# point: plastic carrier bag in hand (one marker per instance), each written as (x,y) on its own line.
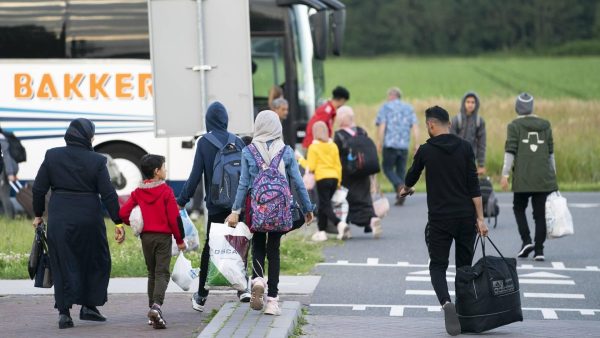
(191,238)
(559,222)
(228,256)
(183,274)
(136,221)
(339,196)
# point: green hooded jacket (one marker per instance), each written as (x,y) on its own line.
(529,138)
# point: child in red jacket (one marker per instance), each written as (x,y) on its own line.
(161,221)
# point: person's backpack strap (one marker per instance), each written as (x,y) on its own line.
(231,139)
(214,140)
(275,161)
(260,162)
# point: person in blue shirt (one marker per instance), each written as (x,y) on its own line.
(395,122)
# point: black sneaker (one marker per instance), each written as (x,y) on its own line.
(451,319)
(526,249)
(91,313)
(539,256)
(244,296)
(155,315)
(198,302)
(65,321)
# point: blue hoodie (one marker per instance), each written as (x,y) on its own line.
(216,124)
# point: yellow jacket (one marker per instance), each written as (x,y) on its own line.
(323,159)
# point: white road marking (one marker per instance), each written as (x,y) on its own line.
(424,293)
(549,314)
(558,265)
(543,275)
(398,310)
(359,308)
(372,261)
(554,295)
(521,280)
(409,265)
(426,273)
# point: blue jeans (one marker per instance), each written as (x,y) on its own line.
(394,165)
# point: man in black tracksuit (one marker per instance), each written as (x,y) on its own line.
(453,200)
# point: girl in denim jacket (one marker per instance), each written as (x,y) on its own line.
(268,139)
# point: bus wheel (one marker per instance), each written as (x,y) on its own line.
(127,157)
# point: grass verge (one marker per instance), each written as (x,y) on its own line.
(298,254)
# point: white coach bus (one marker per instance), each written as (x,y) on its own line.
(63,59)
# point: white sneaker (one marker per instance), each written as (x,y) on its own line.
(376,227)
(319,236)
(343,230)
(257,299)
(272,307)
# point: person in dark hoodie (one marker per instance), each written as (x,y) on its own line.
(470,126)
(77,244)
(217,121)
(161,220)
(529,152)
(453,200)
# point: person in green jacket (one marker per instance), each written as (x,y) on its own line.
(529,152)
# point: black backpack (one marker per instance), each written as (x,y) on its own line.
(15,148)
(490,202)
(361,159)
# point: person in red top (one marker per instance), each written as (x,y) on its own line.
(326,113)
(161,221)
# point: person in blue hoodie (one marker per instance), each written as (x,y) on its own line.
(217,121)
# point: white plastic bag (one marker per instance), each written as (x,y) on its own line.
(136,221)
(228,256)
(381,205)
(339,196)
(559,222)
(183,274)
(341,210)
(191,237)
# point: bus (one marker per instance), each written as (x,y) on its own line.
(63,59)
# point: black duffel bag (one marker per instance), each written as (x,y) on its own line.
(487,293)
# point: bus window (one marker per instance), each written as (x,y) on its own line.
(32,29)
(107,29)
(267,54)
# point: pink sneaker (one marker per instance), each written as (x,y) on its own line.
(272,307)
(257,300)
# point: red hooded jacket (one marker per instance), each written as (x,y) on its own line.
(325,113)
(159,209)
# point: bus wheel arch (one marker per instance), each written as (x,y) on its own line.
(128,157)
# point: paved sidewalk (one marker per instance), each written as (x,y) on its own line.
(380,327)
(34,316)
(238,320)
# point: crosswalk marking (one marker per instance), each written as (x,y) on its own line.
(549,314)
(450,279)
(372,261)
(402,264)
(543,275)
(558,265)
(554,295)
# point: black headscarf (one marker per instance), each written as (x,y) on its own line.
(80,133)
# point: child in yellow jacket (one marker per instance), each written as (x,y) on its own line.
(323,159)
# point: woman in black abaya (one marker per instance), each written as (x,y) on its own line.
(77,243)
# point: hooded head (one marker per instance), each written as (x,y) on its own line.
(320,131)
(524,104)
(80,133)
(345,116)
(216,117)
(470,96)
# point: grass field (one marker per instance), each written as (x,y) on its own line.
(566,92)
(298,254)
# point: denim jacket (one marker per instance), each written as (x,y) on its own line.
(250,171)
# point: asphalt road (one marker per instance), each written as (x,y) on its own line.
(389,277)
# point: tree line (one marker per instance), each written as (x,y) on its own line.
(472,27)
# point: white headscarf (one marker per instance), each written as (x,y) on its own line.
(267,127)
(345,116)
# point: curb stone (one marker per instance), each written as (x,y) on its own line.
(235,319)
